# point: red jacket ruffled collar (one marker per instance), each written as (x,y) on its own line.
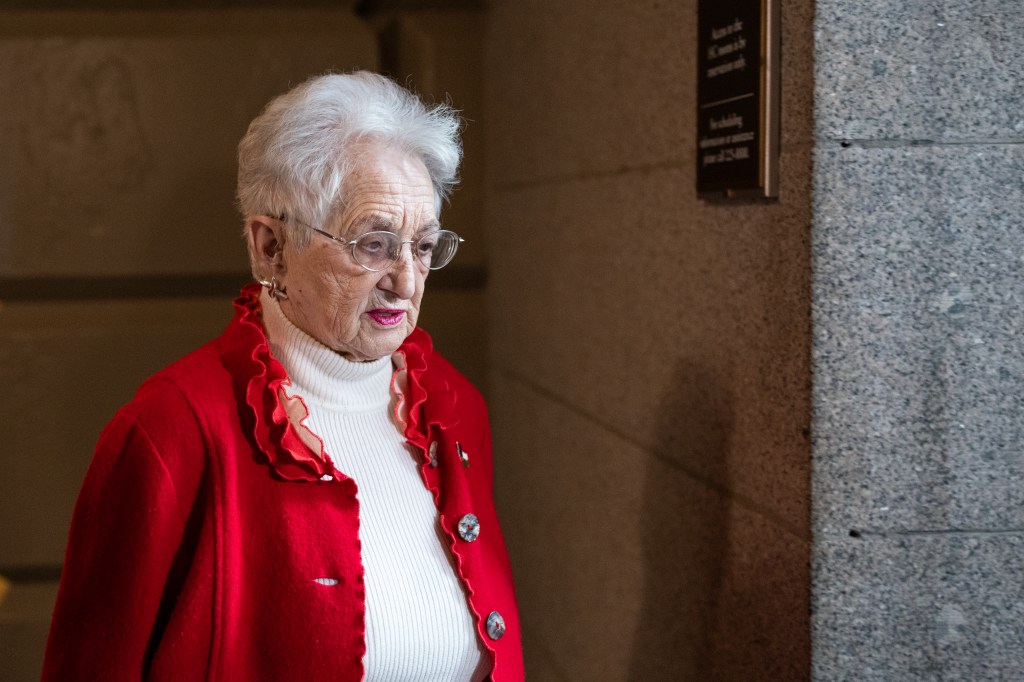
(287,445)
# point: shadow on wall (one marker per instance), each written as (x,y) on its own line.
(685,530)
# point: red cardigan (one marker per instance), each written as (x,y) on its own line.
(209,512)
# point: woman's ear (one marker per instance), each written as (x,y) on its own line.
(265,237)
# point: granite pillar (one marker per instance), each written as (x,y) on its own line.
(918,367)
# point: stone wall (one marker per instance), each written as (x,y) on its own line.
(918,366)
(650,354)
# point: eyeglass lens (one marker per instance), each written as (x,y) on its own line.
(379,250)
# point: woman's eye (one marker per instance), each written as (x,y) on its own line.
(373,245)
(425,246)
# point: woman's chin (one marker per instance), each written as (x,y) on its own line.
(376,343)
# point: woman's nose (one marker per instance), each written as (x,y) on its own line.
(400,278)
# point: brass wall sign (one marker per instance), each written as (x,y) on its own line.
(738,98)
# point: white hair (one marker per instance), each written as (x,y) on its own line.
(296,155)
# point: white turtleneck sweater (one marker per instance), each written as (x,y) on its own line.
(418,624)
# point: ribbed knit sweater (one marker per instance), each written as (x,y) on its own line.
(418,623)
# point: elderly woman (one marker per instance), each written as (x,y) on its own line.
(308,496)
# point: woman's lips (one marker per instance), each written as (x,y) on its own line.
(386,317)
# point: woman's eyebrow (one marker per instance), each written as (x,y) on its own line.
(379,222)
(374,222)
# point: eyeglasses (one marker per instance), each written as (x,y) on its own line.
(379,250)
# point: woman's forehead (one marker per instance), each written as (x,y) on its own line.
(386,189)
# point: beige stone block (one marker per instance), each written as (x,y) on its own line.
(574,89)
(457,322)
(66,368)
(682,328)
(629,568)
(121,129)
(541,665)
(570,509)
(69,367)
(583,88)
(24,626)
(439,53)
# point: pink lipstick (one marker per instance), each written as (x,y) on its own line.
(386,317)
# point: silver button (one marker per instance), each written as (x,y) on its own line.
(462,455)
(469,527)
(495,625)
(327,477)
(432,452)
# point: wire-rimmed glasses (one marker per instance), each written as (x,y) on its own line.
(379,250)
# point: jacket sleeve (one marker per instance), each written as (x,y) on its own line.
(126,529)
